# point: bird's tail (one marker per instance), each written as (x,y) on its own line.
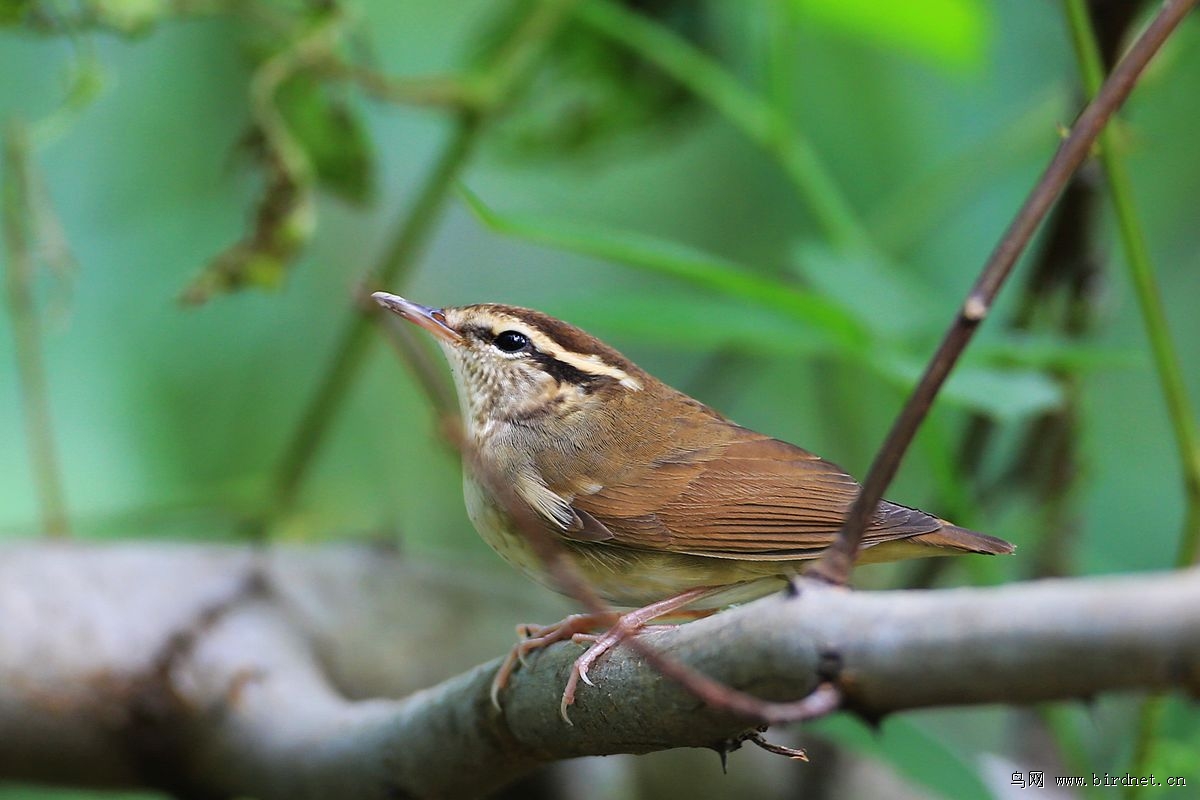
(962,540)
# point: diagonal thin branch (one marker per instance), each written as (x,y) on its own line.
(835,565)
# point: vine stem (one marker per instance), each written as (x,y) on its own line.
(497,85)
(1142,276)
(357,335)
(27,333)
(835,565)
(1162,348)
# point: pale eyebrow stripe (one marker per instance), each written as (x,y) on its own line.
(589,364)
(594,365)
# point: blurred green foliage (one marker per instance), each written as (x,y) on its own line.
(782,229)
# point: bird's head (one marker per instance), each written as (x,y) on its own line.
(519,366)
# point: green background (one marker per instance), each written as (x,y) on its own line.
(170,420)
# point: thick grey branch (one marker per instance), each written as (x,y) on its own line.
(215,672)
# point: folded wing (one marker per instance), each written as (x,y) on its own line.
(748,497)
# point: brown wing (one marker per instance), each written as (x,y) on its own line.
(749,497)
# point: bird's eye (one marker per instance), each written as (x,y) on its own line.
(511,341)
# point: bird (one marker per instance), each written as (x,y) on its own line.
(658,502)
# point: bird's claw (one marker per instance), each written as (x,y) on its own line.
(535,637)
(575,628)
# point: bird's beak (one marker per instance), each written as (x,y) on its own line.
(431,319)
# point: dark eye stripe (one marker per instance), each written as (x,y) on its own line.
(565,373)
(560,371)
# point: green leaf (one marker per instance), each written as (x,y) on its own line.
(687,264)
(332,136)
(591,90)
(879,295)
(1047,351)
(1174,756)
(1005,395)
(705,324)
(1002,393)
(951,34)
(701,324)
(913,750)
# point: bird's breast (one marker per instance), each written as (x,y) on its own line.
(621,575)
(496,528)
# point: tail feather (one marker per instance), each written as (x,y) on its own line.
(953,537)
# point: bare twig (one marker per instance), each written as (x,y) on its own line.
(835,565)
(797,753)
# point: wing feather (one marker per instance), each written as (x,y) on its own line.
(749,497)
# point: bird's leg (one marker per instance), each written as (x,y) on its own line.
(626,625)
(578,627)
(535,637)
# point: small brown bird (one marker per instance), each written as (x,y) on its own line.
(658,500)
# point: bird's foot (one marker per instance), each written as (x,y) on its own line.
(535,637)
(600,643)
(578,628)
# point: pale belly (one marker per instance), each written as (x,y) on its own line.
(621,575)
